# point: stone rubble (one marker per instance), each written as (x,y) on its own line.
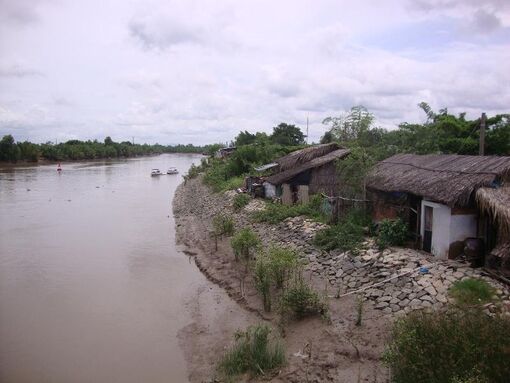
(346,272)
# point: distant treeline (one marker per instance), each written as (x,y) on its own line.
(12,151)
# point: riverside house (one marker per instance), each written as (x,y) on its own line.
(305,172)
(445,199)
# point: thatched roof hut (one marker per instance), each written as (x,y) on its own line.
(496,202)
(448,179)
(308,158)
(302,156)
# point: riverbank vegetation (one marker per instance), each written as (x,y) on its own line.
(456,345)
(255,351)
(463,343)
(12,151)
(277,212)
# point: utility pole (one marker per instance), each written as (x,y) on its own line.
(483,121)
(307,130)
(133,139)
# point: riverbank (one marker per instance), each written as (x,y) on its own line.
(391,283)
(317,350)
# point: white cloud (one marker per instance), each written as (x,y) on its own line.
(201,71)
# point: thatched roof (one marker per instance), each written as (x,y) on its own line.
(286,175)
(496,201)
(302,156)
(449,179)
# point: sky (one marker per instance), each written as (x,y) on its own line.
(200,71)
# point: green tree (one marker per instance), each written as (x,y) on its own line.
(288,135)
(327,137)
(350,126)
(9,151)
(245,138)
(108,141)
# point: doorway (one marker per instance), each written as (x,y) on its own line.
(427,234)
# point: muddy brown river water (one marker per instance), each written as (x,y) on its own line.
(92,286)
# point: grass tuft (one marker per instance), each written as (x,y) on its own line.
(254,352)
(457,345)
(471,292)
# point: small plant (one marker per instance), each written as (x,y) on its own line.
(392,232)
(302,300)
(275,213)
(223,225)
(241,200)
(462,345)
(262,276)
(282,262)
(472,292)
(346,236)
(359,310)
(244,244)
(254,352)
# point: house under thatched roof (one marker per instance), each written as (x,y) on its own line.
(313,160)
(302,156)
(449,179)
(496,202)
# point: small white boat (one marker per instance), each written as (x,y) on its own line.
(172,171)
(155,172)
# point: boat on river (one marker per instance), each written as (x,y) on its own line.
(172,171)
(155,172)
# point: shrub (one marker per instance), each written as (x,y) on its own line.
(275,212)
(392,232)
(302,300)
(245,243)
(223,225)
(472,291)
(346,236)
(241,200)
(253,352)
(440,346)
(282,262)
(263,279)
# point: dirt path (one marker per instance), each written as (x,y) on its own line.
(317,350)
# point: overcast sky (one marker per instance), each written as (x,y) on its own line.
(200,71)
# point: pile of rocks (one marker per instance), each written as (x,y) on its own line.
(396,280)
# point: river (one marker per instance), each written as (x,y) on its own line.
(92,286)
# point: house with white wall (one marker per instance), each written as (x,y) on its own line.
(435,195)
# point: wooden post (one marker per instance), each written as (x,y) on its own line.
(483,120)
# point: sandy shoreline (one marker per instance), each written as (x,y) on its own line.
(317,350)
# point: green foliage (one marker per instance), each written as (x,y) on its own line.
(245,243)
(445,346)
(287,135)
(254,352)
(282,263)
(223,225)
(471,292)
(350,126)
(84,150)
(9,151)
(241,200)
(302,300)
(347,235)
(275,212)
(245,138)
(263,279)
(391,232)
